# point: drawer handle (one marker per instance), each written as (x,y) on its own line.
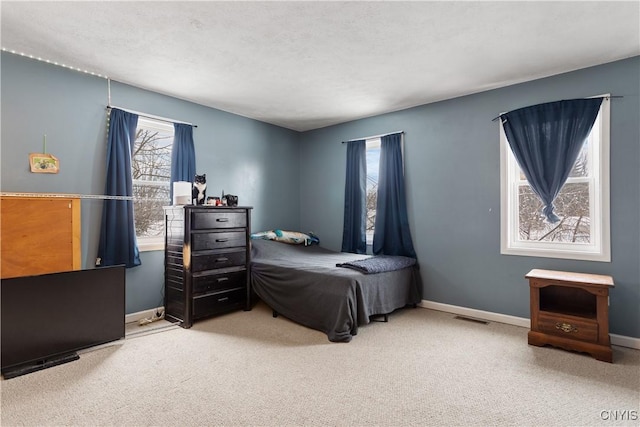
(222,219)
(222,279)
(223,299)
(566,327)
(222,259)
(222,240)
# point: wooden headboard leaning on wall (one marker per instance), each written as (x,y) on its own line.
(39,235)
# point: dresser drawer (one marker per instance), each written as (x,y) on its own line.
(568,328)
(209,304)
(203,283)
(229,239)
(209,260)
(211,218)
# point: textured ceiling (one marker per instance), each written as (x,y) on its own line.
(306,65)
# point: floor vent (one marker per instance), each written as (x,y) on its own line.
(471,319)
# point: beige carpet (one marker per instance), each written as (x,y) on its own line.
(134,329)
(246,368)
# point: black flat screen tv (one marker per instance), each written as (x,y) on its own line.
(47,318)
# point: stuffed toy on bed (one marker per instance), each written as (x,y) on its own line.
(284,236)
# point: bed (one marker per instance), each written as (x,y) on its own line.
(304,284)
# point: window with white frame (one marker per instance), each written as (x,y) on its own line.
(151,172)
(373,166)
(583,204)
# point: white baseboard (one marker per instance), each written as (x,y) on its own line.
(620,340)
(625,341)
(135,317)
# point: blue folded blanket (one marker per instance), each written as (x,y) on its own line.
(379,264)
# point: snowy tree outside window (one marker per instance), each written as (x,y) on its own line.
(151,172)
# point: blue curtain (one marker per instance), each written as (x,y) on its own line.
(546,140)
(392,235)
(183,155)
(118,243)
(355,192)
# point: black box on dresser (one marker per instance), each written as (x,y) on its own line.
(207,261)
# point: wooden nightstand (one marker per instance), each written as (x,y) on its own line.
(570,311)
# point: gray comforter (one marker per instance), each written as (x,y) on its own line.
(304,284)
(379,264)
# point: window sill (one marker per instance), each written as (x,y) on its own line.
(151,246)
(547,253)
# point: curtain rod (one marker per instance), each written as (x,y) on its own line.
(151,116)
(604,97)
(374,136)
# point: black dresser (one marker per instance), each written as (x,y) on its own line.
(207,257)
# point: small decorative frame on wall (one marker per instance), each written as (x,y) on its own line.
(43,163)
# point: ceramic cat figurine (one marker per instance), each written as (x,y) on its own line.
(199,192)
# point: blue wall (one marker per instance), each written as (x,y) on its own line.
(255,160)
(452,175)
(452,168)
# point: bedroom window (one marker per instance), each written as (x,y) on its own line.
(373,166)
(582,204)
(151,173)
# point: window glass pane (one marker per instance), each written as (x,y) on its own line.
(373,161)
(152,155)
(580,167)
(147,205)
(571,205)
(151,172)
